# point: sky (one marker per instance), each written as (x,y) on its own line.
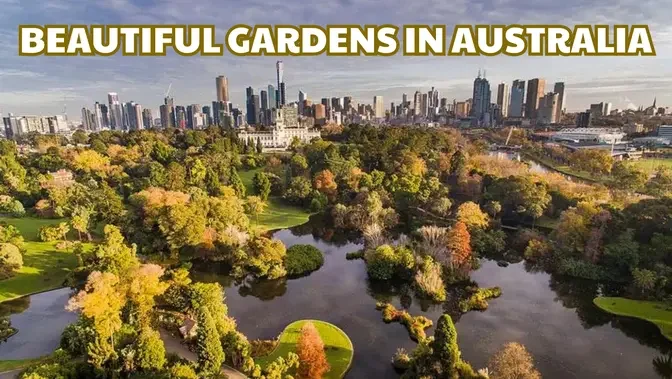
(42,85)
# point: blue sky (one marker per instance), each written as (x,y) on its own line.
(38,85)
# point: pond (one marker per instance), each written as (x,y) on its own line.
(40,319)
(553,317)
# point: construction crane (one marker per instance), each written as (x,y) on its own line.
(170,86)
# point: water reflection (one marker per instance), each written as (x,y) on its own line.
(40,319)
(553,316)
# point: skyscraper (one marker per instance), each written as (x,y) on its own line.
(424,104)
(279,67)
(167,113)
(481,99)
(272,101)
(264,99)
(116,118)
(283,95)
(249,108)
(517,98)
(559,88)
(503,96)
(222,88)
(535,91)
(302,99)
(548,105)
(347,103)
(98,122)
(378,107)
(137,108)
(417,103)
(147,118)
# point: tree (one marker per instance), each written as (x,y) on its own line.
(445,349)
(299,190)
(102,301)
(325,182)
(513,362)
(260,147)
(150,352)
(459,245)
(236,182)
(80,219)
(310,349)
(442,206)
(255,206)
(10,260)
(262,185)
(145,285)
(50,233)
(628,178)
(298,164)
(208,347)
(661,183)
(112,255)
(211,297)
(79,137)
(471,215)
(458,163)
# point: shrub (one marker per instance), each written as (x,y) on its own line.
(182,371)
(355,255)
(478,298)
(401,360)
(429,282)
(385,262)
(261,348)
(302,259)
(415,325)
(10,256)
(13,208)
(50,233)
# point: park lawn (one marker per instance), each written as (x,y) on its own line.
(15,364)
(653,311)
(650,165)
(277,214)
(44,267)
(337,345)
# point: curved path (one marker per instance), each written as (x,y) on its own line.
(175,346)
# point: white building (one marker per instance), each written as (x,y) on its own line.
(286,128)
(589,135)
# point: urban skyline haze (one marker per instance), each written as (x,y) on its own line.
(41,85)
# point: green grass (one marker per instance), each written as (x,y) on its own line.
(653,311)
(277,214)
(337,345)
(44,266)
(15,364)
(650,165)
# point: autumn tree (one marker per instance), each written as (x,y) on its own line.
(471,214)
(513,361)
(208,347)
(145,285)
(101,301)
(325,182)
(459,245)
(310,349)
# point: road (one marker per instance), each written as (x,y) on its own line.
(174,345)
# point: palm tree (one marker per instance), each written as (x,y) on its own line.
(663,366)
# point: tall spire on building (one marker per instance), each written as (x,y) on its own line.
(654,102)
(479,73)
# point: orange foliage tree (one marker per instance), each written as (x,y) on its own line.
(325,182)
(459,245)
(310,349)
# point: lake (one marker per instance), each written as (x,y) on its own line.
(553,317)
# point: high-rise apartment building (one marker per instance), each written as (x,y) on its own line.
(535,91)
(559,88)
(167,111)
(320,112)
(480,109)
(378,107)
(222,83)
(517,102)
(302,99)
(272,101)
(115,112)
(503,98)
(417,103)
(263,95)
(147,118)
(548,106)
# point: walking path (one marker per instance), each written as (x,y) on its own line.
(175,346)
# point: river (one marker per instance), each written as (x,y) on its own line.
(552,316)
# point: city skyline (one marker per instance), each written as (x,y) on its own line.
(30,85)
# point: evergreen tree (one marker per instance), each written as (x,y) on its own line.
(260,148)
(151,354)
(236,182)
(208,347)
(262,185)
(444,347)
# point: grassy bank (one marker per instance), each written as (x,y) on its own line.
(653,311)
(650,165)
(44,266)
(15,364)
(337,345)
(277,214)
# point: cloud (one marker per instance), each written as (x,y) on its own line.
(36,84)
